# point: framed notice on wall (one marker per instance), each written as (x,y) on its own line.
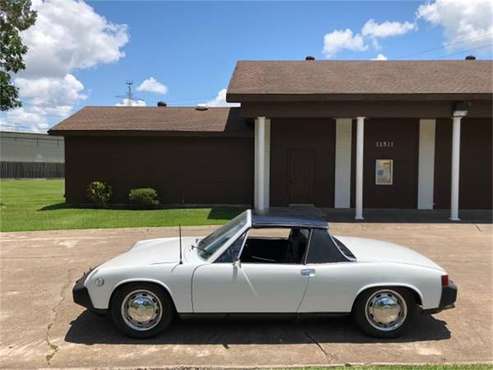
(384,172)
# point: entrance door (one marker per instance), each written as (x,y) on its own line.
(301,170)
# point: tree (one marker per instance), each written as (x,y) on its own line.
(15,16)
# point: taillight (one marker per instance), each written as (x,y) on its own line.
(444,280)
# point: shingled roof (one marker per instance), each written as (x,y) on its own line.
(339,80)
(177,121)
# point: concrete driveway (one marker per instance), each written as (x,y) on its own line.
(40,326)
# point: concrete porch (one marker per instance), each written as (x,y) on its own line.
(408,215)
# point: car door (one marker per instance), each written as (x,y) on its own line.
(332,287)
(334,280)
(236,287)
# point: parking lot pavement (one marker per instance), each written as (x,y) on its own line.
(40,326)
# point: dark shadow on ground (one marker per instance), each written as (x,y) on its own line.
(469,216)
(216,213)
(90,329)
(53,207)
(224,213)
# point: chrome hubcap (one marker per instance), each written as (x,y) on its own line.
(386,310)
(141,310)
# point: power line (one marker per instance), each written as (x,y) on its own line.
(457,42)
(471,49)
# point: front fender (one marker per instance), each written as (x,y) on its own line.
(176,281)
(140,280)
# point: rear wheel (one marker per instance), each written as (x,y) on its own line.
(384,312)
(142,310)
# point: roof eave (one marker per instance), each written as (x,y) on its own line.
(72,132)
(305,97)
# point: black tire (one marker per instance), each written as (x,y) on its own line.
(158,293)
(364,321)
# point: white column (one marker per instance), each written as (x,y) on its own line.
(262,164)
(267,165)
(255,171)
(454,196)
(360,131)
(342,186)
(426,163)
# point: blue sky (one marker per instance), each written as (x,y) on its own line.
(191,47)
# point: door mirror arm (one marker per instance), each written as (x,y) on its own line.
(237,263)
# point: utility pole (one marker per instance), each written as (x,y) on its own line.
(129,93)
(129,96)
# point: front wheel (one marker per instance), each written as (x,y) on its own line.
(141,310)
(385,312)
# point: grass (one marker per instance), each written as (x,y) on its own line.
(28,205)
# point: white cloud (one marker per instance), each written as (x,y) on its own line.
(152,85)
(48,97)
(380,57)
(386,29)
(52,94)
(220,101)
(20,119)
(466,23)
(68,35)
(342,40)
(131,103)
(339,40)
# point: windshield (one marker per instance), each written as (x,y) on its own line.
(210,244)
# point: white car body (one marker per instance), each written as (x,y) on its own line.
(200,286)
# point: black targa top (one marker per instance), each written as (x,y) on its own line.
(289,218)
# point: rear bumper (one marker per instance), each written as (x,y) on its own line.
(447,300)
(81,296)
(449,296)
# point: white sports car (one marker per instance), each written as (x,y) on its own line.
(263,265)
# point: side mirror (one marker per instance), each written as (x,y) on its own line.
(236,262)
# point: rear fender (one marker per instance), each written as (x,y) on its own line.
(388,285)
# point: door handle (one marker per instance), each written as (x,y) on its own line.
(308,272)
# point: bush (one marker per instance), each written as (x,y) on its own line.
(99,193)
(143,198)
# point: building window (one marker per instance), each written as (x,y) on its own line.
(384,171)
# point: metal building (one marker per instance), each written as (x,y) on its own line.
(29,155)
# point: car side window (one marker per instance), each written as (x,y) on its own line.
(283,245)
(230,254)
(322,248)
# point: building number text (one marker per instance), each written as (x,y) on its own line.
(384,144)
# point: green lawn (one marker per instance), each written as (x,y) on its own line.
(27,205)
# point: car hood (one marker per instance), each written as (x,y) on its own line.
(369,250)
(152,251)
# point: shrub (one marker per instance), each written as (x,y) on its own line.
(99,193)
(143,198)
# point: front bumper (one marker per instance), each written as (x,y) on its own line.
(447,299)
(81,296)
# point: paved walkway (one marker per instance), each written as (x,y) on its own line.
(40,326)
(481,216)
